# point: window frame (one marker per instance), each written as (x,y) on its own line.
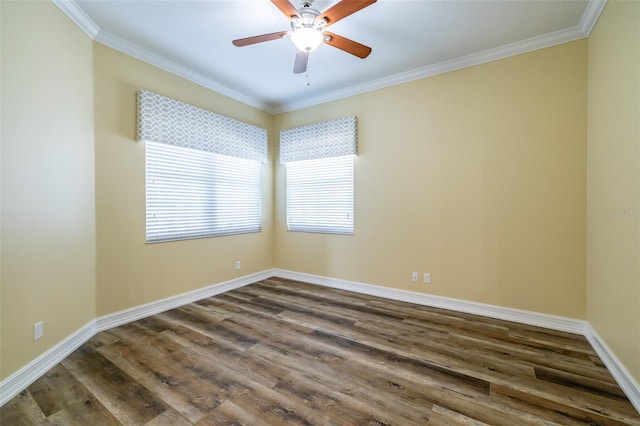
(317,209)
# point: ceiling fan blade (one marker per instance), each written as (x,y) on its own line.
(343,9)
(286,8)
(348,45)
(300,66)
(259,39)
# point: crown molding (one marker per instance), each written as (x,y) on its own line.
(512,49)
(86,24)
(582,30)
(77,15)
(131,49)
(591,15)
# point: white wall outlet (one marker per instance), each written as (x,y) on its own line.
(414,277)
(37,330)
(427,278)
(237,264)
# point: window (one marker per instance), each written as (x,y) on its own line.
(195,194)
(320,195)
(203,171)
(319,162)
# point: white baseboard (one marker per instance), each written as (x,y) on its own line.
(21,379)
(133,314)
(18,381)
(509,314)
(14,384)
(625,380)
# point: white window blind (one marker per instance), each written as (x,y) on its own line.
(195,194)
(202,170)
(319,162)
(320,195)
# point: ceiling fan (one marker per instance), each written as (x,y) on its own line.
(308,29)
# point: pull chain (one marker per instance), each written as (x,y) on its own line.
(307,74)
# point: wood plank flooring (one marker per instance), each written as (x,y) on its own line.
(280,352)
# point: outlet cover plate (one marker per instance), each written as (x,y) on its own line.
(37,330)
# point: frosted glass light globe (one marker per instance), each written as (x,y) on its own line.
(306,39)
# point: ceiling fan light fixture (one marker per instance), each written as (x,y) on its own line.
(307,39)
(308,29)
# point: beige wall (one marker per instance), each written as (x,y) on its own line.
(129,271)
(48,213)
(477,176)
(613,188)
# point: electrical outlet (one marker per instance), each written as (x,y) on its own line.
(414,277)
(237,264)
(37,330)
(427,278)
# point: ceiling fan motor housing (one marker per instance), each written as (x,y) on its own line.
(307,19)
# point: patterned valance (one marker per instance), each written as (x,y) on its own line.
(334,138)
(166,120)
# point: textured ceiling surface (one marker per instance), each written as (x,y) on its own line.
(410,39)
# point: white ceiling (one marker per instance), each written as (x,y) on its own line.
(410,39)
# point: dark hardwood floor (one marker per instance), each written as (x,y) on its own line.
(280,352)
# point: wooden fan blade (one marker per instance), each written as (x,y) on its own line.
(286,8)
(300,66)
(259,39)
(348,45)
(343,9)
